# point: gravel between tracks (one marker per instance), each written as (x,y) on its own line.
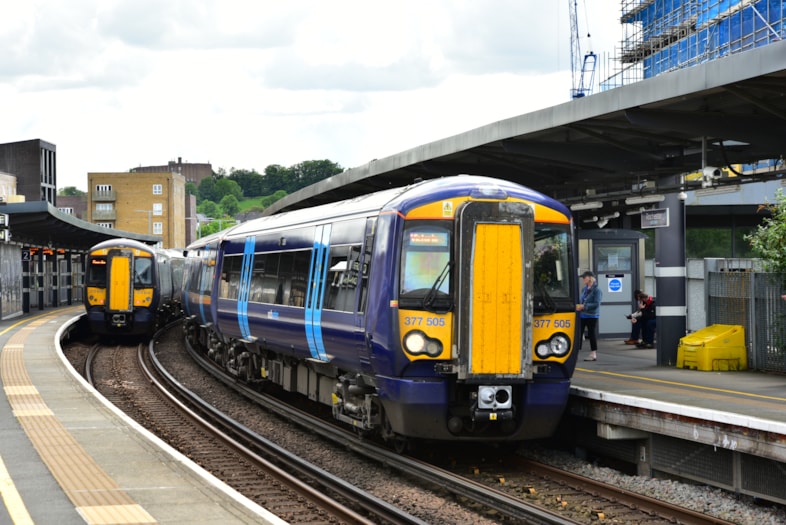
(712,501)
(435,508)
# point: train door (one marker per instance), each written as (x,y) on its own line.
(362,268)
(120,288)
(495,243)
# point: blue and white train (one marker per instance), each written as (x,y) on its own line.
(444,310)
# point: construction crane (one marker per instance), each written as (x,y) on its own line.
(582,72)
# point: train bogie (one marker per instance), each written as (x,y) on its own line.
(444,310)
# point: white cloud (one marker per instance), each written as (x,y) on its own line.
(119,83)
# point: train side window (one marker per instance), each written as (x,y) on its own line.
(342,278)
(285,273)
(300,267)
(264,278)
(208,272)
(230,276)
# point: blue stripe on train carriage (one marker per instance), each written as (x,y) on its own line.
(316,292)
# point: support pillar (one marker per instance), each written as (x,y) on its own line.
(670,281)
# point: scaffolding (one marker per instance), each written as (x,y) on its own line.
(665,35)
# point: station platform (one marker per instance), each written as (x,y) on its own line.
(67,456)
(726,428)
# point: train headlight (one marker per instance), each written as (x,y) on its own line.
(543,350)
(417,343)
(560,345)
(557,345)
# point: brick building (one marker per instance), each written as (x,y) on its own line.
(141,202)
(193,172)
(34,164)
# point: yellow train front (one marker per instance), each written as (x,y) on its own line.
(471,315)
(130,287)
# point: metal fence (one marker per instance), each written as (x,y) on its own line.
(744,296)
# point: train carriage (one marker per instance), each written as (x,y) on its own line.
(443,310)
(131,288)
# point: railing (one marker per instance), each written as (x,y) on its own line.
(104,215)
(104,196)
(752,299)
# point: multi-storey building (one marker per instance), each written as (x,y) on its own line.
(193,172)
(151,203)
(34,164)
(75,205)
(664,35)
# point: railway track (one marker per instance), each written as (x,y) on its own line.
(260,470)
(513,494)
(507,493)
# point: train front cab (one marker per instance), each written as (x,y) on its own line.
(477,348)
(120,295)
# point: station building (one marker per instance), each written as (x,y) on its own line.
(42,248)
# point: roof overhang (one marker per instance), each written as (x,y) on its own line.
(39,223)
(636,138)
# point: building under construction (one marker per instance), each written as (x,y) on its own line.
(665,35)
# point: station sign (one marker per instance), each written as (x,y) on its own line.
(657,218)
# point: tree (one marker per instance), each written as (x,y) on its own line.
(225,187)
(270,199)
(250,182)
(191,189)
(70,191)
(311,171)
(230,205)
(209,209)
(768,240)
(276,177)
(207,190)
(215,225)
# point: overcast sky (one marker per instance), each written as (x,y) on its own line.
(116,84)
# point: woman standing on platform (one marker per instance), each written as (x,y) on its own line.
(589,313)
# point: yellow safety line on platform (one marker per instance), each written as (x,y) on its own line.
(686,385)
(96,496)
(12,500)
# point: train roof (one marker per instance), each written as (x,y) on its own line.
(395,199)
(122,242)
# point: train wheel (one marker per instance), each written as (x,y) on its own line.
(399,443)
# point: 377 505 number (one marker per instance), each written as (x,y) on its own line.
(423,321)
(552,323)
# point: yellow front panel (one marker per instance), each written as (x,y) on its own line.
(434,326)
(120,283)
(143,297)
(497,295)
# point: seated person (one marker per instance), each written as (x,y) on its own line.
(647,321)
(635,331)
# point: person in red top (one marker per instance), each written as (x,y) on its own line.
(647,320)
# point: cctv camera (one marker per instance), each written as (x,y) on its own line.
(711,171)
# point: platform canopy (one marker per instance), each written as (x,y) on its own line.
(41,224)
(637,138)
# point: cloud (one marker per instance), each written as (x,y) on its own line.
(120,83)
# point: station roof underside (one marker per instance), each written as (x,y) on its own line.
(38,223)
(607,146)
